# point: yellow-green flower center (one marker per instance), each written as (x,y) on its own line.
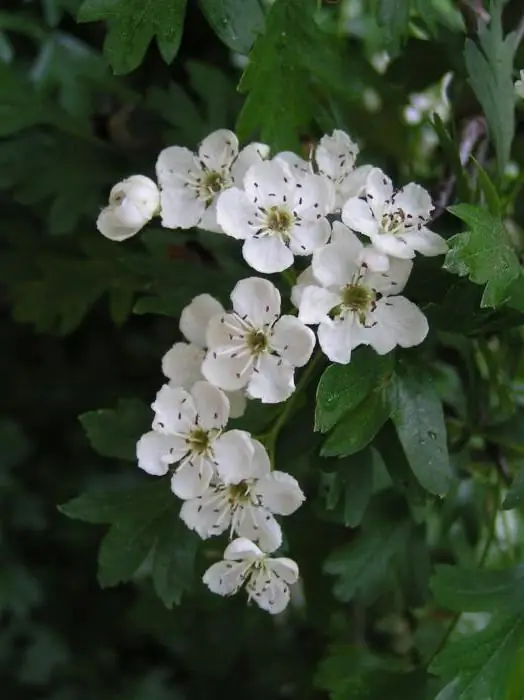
(239,492)
(393,222)
(257,342)
(279,220)
(213,183)
(198,441)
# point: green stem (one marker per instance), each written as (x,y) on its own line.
(482,560)
(270,438)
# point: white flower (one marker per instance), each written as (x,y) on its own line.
(280,214)
(395,221)
(186,430)
(190,183)
(244,499)
(182,363)
(519,86)
(267,580)
(132,203)
(255,347)
(354,305)
(335,156)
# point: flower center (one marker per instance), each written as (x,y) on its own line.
(257,342)
(198,441)
(393,222)
(212,183)
(358,299)
(239,492)
(279,220)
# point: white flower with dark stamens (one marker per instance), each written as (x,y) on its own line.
(190,183)
(280,214)
(132,204)
(182,363)
(356,306)
(335,156)
(395,221)
(244,499)
(192,424)
(266,579)
(254,346)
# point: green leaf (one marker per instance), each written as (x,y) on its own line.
(515,496)
(280,98)
(20,106)
(477,590)
(484,253)
(419,421)
(490,71)
(484,663)
(350,487)
(362,564)
(114,432)
(235,22)
(393,17)
(343,387)
(132,25)
(358,427)
(145,524)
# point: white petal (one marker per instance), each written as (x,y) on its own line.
(252,154)
(180,208)
(257,300)
(192,478)
(373,259)
(227,373)
(181,364)
(379,191)
(242,548)
(292,340)
(208,515)
(399,322)
(358,216)
(224,577)
(286,569)
(335,264)
(268,592)
(354,183)
(110,226)
(305,279)
(174,410)
(298,165)
(337,340)
(195,318)
(336,153)
(273,381)
(174,164)
(307,238)
(269,182)
(218,150)
(151,450)
(211,404)
(236,214)
(260,464)
(259,525)
(313,197)
(426,242)
(415,201)
(316,303)
(393,280)
(267,254)
(208,221)
(225,333)
(280,493)
(233,453)
(395,245)
(343,235)
(237,403)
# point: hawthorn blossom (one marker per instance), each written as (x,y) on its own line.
(254,346)
(266,579)
(182,363)
(191,182)
(395,221)
(244,498)
(186,430)
(354,305)
(132,204)
(278,215)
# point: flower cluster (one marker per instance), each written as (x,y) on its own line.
(361,236)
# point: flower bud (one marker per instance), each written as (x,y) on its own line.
(132,203)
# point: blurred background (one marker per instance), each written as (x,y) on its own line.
(84,323)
